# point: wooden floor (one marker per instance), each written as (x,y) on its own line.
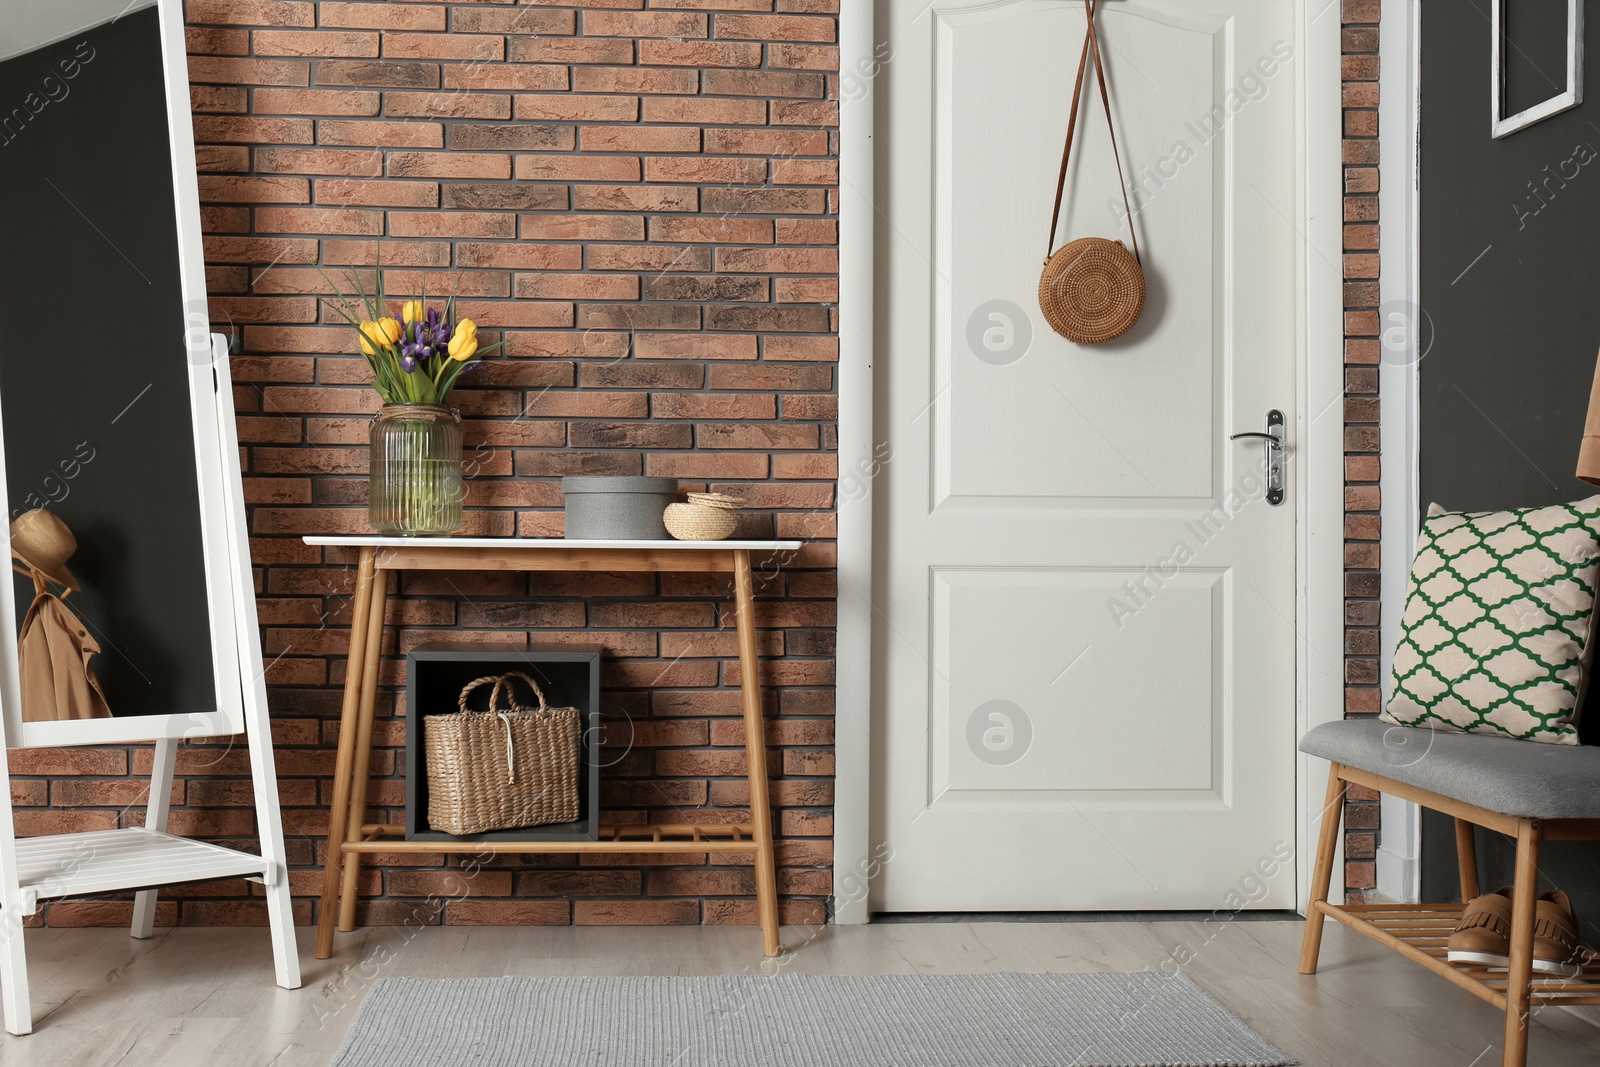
(206,997)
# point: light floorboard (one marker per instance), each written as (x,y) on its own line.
(206,997)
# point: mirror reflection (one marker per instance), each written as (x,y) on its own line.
(99,451)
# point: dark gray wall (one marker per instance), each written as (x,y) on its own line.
(1505,384)
(93,369)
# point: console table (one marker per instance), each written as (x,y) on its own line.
(350,836)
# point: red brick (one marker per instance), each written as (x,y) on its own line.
(695,346)
(649,257)
(412,134)
(387,16)
(448,105)
(639,139)
(576,227)
(376,193)
(774,27)
(256,190)
(724,170)
(449,165)
(644,24)
(635,912)
(206,41)
(316,102)
(252,130)
(699,53)
(781,55)
(556,107)
(591,79)
(508,913)
(523,77)
(443,46)
(251,12)
(520,256)
(318,220)
(703,110)
(315,43)
(557,50)
(635,198)
(519,20)
(348,162)
(452,224)
(230,71)
(374,74)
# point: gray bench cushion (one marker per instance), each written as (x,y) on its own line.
(1520,778)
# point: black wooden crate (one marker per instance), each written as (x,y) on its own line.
(570,678)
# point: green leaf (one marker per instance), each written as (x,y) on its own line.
(423,387)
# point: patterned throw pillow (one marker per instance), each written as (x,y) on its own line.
(1496,637)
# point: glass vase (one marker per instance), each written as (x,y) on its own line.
(415,488)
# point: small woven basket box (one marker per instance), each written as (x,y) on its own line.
(508,767)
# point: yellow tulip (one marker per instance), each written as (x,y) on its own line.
(380,334)
(413,311)
(464,341)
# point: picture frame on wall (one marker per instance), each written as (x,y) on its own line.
(1503,125)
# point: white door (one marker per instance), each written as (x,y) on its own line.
(1084,691)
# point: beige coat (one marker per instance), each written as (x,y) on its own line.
(53,653)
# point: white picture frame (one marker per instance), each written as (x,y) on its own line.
(216,475)
(1503,125)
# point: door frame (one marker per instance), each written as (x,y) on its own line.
(1399,855)
(1317,455)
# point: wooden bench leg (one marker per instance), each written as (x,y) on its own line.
(1467,860)
(1523,898)
(1322,872)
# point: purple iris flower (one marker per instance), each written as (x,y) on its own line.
(407,364)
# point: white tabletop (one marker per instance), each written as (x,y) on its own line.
(377,541)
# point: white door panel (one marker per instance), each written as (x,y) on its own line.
(1085,680)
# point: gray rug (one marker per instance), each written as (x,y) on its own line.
(794,1020)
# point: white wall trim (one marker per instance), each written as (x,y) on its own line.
(1319,492)
(857,277)
(1319,441)
(1399,294)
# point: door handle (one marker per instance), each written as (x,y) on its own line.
(1273,438)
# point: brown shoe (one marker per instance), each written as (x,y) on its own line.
(1483,936)
(1557,949)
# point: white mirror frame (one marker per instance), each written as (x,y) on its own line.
(1570,98)
(225,547)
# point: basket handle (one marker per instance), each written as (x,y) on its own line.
(504,681)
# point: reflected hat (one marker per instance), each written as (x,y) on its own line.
(42,541)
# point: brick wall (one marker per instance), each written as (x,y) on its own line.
(1362,690)
(643,200)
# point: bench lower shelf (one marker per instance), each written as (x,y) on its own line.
(105,861)
(1420,932)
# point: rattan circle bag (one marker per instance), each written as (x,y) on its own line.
(1092,289)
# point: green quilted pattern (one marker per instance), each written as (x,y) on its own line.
(1496,633)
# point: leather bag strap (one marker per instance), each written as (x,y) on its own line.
(1091,46)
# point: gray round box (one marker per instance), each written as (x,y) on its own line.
(617,507)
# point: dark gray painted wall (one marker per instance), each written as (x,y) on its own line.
(1505,384)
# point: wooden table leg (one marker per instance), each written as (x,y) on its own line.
(755,753)
(1519,971)
(1322,870)
(339,810)
(362,765)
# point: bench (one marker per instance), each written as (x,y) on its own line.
(1529,792)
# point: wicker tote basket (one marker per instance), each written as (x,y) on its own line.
(503,768)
